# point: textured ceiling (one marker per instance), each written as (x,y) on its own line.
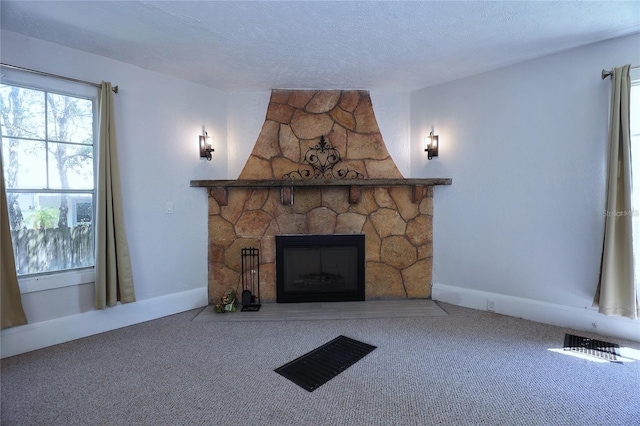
(246,45)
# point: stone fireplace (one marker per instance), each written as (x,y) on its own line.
(320,167)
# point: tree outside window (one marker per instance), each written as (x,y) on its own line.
(48,154)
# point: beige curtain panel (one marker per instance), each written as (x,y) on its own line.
(114,279)
(11,312)
(617,293)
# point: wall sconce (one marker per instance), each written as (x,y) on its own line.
(205,146)
(431,145)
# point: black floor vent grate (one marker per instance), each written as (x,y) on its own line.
(592,347)
(315,368)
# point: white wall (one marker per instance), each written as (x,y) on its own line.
(158,120)
(246,114)
(526,148)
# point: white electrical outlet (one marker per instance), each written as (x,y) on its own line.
(491,305)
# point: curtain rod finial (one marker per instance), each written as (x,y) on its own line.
(606,74)
(115,89)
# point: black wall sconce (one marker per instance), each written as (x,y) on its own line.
(431,145)
(205,146)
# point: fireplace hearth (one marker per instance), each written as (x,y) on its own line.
(320,268)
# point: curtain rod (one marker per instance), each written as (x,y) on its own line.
(609,73)
(46,74)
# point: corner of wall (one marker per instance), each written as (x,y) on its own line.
(533,310)
(30,337)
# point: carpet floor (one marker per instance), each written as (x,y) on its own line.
(464,368)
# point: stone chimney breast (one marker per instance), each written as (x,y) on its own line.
(296,120)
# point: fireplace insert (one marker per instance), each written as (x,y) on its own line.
(319,268)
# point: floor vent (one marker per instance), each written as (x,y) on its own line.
(596,348)
(315,368)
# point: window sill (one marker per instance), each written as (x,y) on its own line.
(55,280)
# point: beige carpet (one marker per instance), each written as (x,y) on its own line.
(464,368)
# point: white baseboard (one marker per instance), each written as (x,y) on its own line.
(30,337)
(547,313)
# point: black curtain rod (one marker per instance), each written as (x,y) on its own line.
(46,74)
(609,73)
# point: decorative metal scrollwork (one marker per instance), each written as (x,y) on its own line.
(322,158)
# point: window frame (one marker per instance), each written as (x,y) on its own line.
(49,280)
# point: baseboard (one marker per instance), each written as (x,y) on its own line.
(547,313)
(30,337)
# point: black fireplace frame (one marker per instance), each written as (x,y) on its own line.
(331,240)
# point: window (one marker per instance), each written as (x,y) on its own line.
(48,161)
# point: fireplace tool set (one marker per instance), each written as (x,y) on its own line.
(250,279)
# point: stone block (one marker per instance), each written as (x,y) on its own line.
(362,146)
(372,242)
(268,250)
(289,144)
(344,118)
(388,222)
(216,254)
(233,253)
(281,96)
(338,140)
(402,197)
(417,279)
(282,166)
(273,229)
(237,198)
(350,223)
(300,98)
(280,113)
(257,199)
(292,224)
(321,221)
(268,144)
(365,118)
(425,251)
(419,230)
(336,198)
(398,252)
(323,101)
(426,206)
(268,282)
(221,279)
(349,100)
(383,281)
(306,199)
(252,223)
(382,169)
(310,126)
(383,198)
(221,232)
(256,169)
(367,202)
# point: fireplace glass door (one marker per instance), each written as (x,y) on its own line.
(320,268)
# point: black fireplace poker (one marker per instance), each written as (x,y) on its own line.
(250,279)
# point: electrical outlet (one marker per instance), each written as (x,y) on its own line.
(491,305)
(168,208)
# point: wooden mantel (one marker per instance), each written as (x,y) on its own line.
(318,182)
(218,188)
